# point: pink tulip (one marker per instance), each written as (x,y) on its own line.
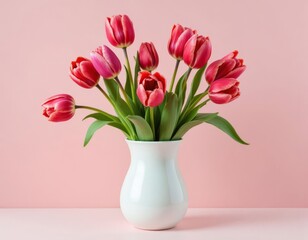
(227,67)
(224,90)
(106,62)
(59,108)
(179,36)
(83,73)
(148,57)
(197,51)
(120,31)
(151,89)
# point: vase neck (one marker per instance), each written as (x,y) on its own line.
(153,151)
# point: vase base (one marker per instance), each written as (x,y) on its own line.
(155,229)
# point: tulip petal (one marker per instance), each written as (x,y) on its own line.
(109,33)
(231,55)
(236,72)
(101,66)
(222,85)
(142,75)
(225,68)
(112,60)
(203,52)
(211,71)
(142,95)
(155,98)
(189,50)
(89,71)
(117,27)
(176,31)
(220,98)
(161,80)
(180,43)
(128,30)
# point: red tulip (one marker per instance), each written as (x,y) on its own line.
(106,62)
(197,51)
(83,73)
(59,108)
(151,89)
(148,57)
(179,36)
(224,90)
(120,31)
(227,67)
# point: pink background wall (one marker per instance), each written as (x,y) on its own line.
(43,164)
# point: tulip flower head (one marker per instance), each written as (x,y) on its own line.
(179,37)
(120,31)
(224,90)
(59,108)
(148,57)
(227,67)
(83,73)
(106,62)
(151,89)
(197,51)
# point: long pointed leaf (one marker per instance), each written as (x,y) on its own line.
(226,127)
(92,129)
(127,84)
(190,124)
(101,116)
(196,83)
(143,129)
(112,88)
(169,118)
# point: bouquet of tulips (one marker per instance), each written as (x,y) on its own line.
(145,109)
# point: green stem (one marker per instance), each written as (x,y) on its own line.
(152,121)
(97,110)
(104,93)
(191,106)
(130,75)
(174,74)
(124,94)
(123,119)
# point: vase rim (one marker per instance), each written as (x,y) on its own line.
(153,142)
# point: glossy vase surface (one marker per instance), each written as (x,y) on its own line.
(153,195)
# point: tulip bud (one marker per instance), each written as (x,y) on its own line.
(179,36)
(83,73)
(59,108)
(227,67)
(120,31)
(224,90)
(106,62)
(197,51)
(148,57)
(151,89)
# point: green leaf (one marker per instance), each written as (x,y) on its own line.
(120,127)
(196,83)
(185,128)
(137,70)
(143,129)
(102,116)
(113,89)
(127,87)
(147,116)
(226,127)
(180,90)
(190,124)
(169,117)
(180,83)
(92,129)
(123,107)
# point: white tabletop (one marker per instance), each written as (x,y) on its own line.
(108,224)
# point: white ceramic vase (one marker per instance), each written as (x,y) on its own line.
(153,195)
